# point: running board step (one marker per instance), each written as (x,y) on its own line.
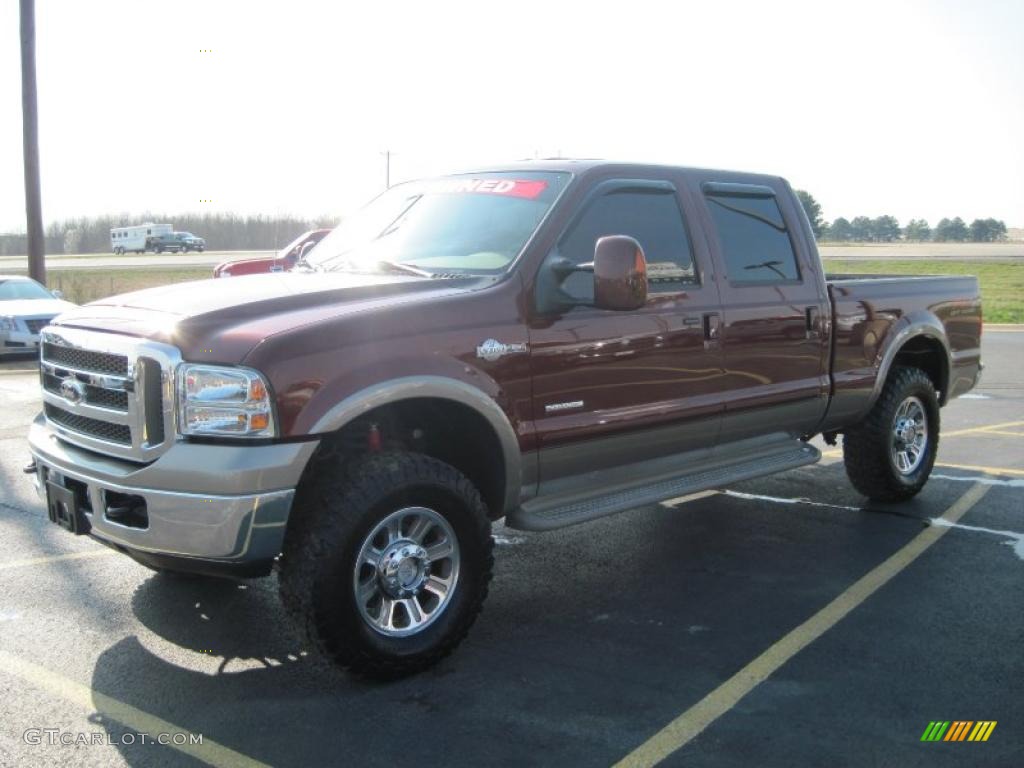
(546,514)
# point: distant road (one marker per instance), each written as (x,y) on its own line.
(109,260)
(926,251)
(908,251)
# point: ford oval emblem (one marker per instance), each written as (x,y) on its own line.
(72,390)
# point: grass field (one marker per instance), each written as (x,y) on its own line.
(84,285)
(1002,283)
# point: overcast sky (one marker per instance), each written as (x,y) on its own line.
(914,109)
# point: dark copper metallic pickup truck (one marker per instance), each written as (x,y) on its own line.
(547,344)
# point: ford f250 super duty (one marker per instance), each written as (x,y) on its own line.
(547,343)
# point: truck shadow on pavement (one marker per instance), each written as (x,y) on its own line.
(591,639)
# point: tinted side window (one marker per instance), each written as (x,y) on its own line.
(652,218)
(754,239)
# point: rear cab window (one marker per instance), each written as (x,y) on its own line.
(756,245)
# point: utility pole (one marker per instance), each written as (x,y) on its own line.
(30,140)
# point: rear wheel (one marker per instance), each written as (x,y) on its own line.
(889,457)
(387,564)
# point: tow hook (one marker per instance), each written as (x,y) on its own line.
(30,468)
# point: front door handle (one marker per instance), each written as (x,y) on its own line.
(813,317)
(712,329)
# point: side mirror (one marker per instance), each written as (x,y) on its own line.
(620,273)
(57,294)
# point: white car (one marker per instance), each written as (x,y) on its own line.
(26,307)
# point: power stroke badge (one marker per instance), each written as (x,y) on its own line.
(492,350)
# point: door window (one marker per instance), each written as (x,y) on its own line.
(653,218)
(754,239)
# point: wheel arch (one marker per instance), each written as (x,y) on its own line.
(459,405)
(921,343)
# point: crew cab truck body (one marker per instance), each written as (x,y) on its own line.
(547,344)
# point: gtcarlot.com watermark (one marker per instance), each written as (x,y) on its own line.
(57,737)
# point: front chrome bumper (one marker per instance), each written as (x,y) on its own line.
(235,508)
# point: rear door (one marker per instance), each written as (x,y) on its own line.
(615,388)
(774,338)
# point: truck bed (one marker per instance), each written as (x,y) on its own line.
(870,313)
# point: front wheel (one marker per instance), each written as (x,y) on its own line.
(890,456)
(387,564)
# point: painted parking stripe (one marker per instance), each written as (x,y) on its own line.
(982,468)
(92,701)
(693,721)
(832,453)
(57,558)
(1016,482)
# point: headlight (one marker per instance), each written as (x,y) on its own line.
(230,402)
(7,323)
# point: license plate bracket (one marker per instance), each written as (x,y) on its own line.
(63,509)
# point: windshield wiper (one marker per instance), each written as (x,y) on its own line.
(402,267)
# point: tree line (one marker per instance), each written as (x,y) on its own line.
(222,231)
(887,229)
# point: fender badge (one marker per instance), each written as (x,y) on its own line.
(556,407)
(492,350)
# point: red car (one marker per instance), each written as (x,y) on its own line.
(282,262)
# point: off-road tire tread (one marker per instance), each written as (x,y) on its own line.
(866,446)
(329,506)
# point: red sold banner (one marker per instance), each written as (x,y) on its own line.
(529,190)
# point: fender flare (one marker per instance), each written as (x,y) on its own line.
(927,326)
(441,388)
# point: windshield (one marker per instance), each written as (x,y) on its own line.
(22,289)
(463,224)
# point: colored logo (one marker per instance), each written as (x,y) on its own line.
(958,730)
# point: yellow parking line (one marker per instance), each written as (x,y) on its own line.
(209,751)
(693,721)
(56,558)
(833,453)
(1004,432)
(973,430)
(981,468)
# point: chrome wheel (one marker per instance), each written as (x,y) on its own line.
(909,436)
(406,571)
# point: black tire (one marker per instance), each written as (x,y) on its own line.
(334,513)
(868,447)
(159,249)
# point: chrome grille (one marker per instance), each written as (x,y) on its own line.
(109,393)
(101,430)
(86,360)
(116,400)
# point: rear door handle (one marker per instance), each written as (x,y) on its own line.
(691,321)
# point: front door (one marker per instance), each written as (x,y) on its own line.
(615,388)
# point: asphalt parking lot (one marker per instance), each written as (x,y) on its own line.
(779,622)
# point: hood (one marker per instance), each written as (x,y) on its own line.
(221,320)
(35,307)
